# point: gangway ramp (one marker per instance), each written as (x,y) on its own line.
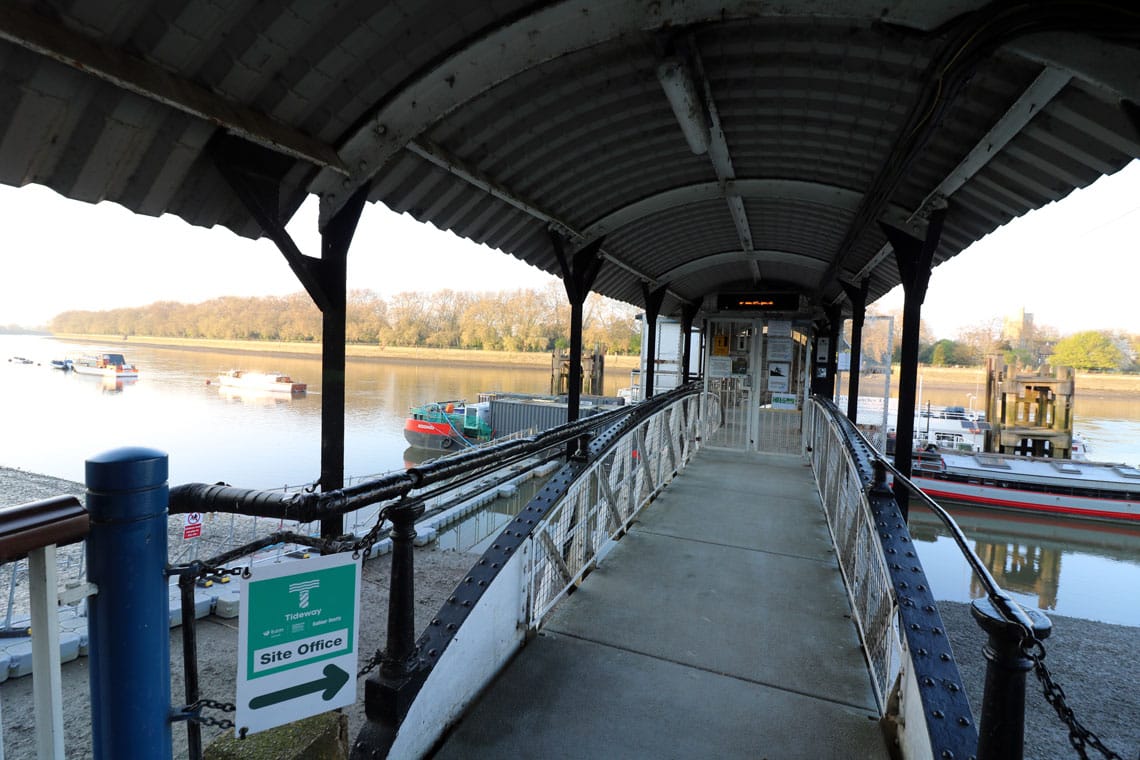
(718,627)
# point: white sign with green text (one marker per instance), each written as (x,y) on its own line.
(297,640)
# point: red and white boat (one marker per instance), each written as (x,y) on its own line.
(1091,490)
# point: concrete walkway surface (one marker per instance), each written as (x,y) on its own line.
(718,627)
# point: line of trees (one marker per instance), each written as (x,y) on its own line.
(1090,350)
(519,320)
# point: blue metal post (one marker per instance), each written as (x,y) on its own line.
(129,617)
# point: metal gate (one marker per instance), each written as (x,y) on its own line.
(758,380)
(730,376)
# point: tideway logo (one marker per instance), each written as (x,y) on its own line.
(302,589)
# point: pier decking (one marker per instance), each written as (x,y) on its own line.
(718,627)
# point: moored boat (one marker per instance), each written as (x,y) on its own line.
(441,425)
(1091,490)
(267,382)
(62,364)
(105,365)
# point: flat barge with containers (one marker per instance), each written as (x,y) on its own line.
(456,424)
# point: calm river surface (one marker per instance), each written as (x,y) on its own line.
(53,421)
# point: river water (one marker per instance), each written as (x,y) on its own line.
(53,421)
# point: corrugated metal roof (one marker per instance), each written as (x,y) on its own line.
(502,121)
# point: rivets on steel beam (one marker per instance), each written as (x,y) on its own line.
(927,681)
(936,631)
(963,721)
(381,129)
(938,714)
(944,657)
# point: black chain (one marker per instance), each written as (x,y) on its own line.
(369,539)
(1079,736)
(369,666)
(205,720)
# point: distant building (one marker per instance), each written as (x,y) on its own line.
(1017,329)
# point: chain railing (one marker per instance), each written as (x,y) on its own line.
(1015,645)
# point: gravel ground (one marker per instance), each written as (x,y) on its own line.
(1098,664)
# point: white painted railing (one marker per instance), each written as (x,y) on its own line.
(570,539)
(857,545)
(600,505)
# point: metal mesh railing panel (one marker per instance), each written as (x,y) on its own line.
(860,555)
(602,501)
(779,431)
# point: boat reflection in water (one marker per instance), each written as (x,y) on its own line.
(254,397)
(1069,566)
(115,385)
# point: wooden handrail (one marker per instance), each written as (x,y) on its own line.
(60,520)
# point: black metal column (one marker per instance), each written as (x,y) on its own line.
(823,384)
(858,298)
(1001,729)
(578,274)
(653,301)
(335,240)
(688,314)
(915,258)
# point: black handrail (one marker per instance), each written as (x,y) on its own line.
(310,506)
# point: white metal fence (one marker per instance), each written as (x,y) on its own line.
(604,499)
(857,544)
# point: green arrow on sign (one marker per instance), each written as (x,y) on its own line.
(333,680)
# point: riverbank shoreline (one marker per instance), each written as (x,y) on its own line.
(354,351)
(958,379)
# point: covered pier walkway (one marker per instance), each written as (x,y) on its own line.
(718,627)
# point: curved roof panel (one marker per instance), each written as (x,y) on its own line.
(701,145)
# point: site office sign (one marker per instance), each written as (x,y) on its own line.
(297,640)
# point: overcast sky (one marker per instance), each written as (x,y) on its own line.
(1073,265)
